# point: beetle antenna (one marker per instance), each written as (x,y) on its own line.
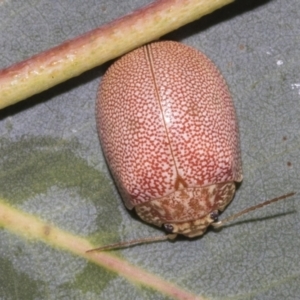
(251,208)
(173,236)
(134,242)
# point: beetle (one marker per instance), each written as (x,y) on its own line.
(168,130)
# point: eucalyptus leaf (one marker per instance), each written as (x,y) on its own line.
(52,169)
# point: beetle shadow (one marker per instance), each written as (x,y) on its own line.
(238,223)
(227,12)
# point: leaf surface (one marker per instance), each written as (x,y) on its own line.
(53,172)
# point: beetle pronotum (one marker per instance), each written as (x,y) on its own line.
(168,130)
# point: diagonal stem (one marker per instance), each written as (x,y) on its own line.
(92,49)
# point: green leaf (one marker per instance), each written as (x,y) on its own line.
(56,190)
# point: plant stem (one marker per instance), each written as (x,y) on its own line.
(30,227)
(92,49)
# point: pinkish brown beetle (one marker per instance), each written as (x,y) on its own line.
(168,129)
